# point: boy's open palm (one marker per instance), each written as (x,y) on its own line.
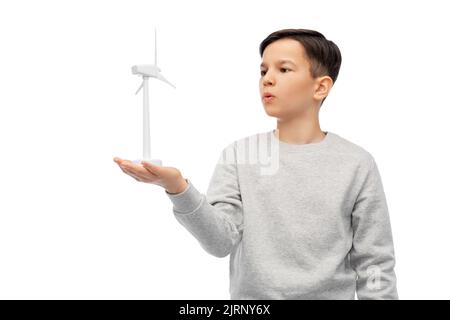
(167,177)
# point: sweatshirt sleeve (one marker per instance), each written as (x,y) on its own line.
(372,253)
(214,219)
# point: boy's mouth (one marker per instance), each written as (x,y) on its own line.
(268,98)
(267,95)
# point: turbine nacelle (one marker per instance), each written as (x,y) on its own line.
(147,70)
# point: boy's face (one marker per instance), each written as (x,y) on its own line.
(291,83)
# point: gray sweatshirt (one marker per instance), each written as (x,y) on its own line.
(299,221)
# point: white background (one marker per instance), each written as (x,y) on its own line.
(74,226)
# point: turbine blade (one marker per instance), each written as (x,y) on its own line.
(155,48)
(161,77)
(140,87)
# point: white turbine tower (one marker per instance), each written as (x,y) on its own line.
(147,71)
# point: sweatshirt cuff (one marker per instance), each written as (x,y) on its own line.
(187,201)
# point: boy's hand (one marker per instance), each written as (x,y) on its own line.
(167,177)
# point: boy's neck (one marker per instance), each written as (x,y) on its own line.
(299,131)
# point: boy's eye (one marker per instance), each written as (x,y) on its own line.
(264,72)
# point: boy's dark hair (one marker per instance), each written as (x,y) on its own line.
(323,55)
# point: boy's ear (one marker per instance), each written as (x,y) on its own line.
(322,87)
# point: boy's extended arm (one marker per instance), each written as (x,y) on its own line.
(214,219)
(372,254)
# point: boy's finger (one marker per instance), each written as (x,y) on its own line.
(131,174)
(128,164)
(118,160)
(144,177)
(136,169)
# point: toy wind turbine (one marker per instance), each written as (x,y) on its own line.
(147,71)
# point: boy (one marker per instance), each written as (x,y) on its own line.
(312,225)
